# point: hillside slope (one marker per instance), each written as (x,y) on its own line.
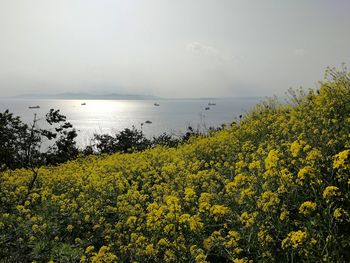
(274,187)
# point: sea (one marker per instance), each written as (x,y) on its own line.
(154,117)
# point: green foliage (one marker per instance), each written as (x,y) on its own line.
(18,142)
(165,140)
(126,141)
(21,144)
(133,140)
(64,147)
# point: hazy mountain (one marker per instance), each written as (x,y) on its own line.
(86,96)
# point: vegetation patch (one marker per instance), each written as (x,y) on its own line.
(272,188)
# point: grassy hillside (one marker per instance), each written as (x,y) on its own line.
(273,188)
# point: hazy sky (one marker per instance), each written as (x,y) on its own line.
(182,48)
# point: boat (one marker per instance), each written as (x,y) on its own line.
(148,122)
(156,104)
(34,107)
(211,104)
(83,104)
(207,108)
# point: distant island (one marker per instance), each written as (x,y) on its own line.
(85,96)
(115,96)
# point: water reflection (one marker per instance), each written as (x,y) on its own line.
(108,116)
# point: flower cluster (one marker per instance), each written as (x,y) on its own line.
(272,188)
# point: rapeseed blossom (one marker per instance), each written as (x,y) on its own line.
(295,148)
(295,239)
(272,159)
(248,219)
(340,214)
(307,207)
(219,211)
(330,192)
(341,159)
(268,201)
(272,188)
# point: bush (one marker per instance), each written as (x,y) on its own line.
(21,144)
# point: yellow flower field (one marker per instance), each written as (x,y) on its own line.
(272,188)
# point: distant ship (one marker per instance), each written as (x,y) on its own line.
(34,107)
(211,104)
(207,108)
(149,122)
(156,104)
(83,104)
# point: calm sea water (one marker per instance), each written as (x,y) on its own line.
(108,116)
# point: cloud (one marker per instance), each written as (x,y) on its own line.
(300,52)
(203,50)
(198,48)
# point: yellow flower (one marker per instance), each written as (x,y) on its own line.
(169,228)
(295,239)
(272,159)
(163,242)
(232,239)
(89,249)
(190,194)
(340,159)
(104,256)
(240,165)
(35,228)
(330,191)
(149,249)
(131,221)
(313,155)
(198,254)
(267,254)
(340,214)
(284,214)
(295,148)
(305,173)
(173,203)
(195,223)
(218,211)
(169,256)
(70,228)
(307,207)
(204,201)
(268,201)
(240,180)
(200,258)
(242,260)
(248,219)
(264,237)
(214,238)
(306,148)
(254,165)
(232,193)
(184,218)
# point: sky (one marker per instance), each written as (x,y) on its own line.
(182,48)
